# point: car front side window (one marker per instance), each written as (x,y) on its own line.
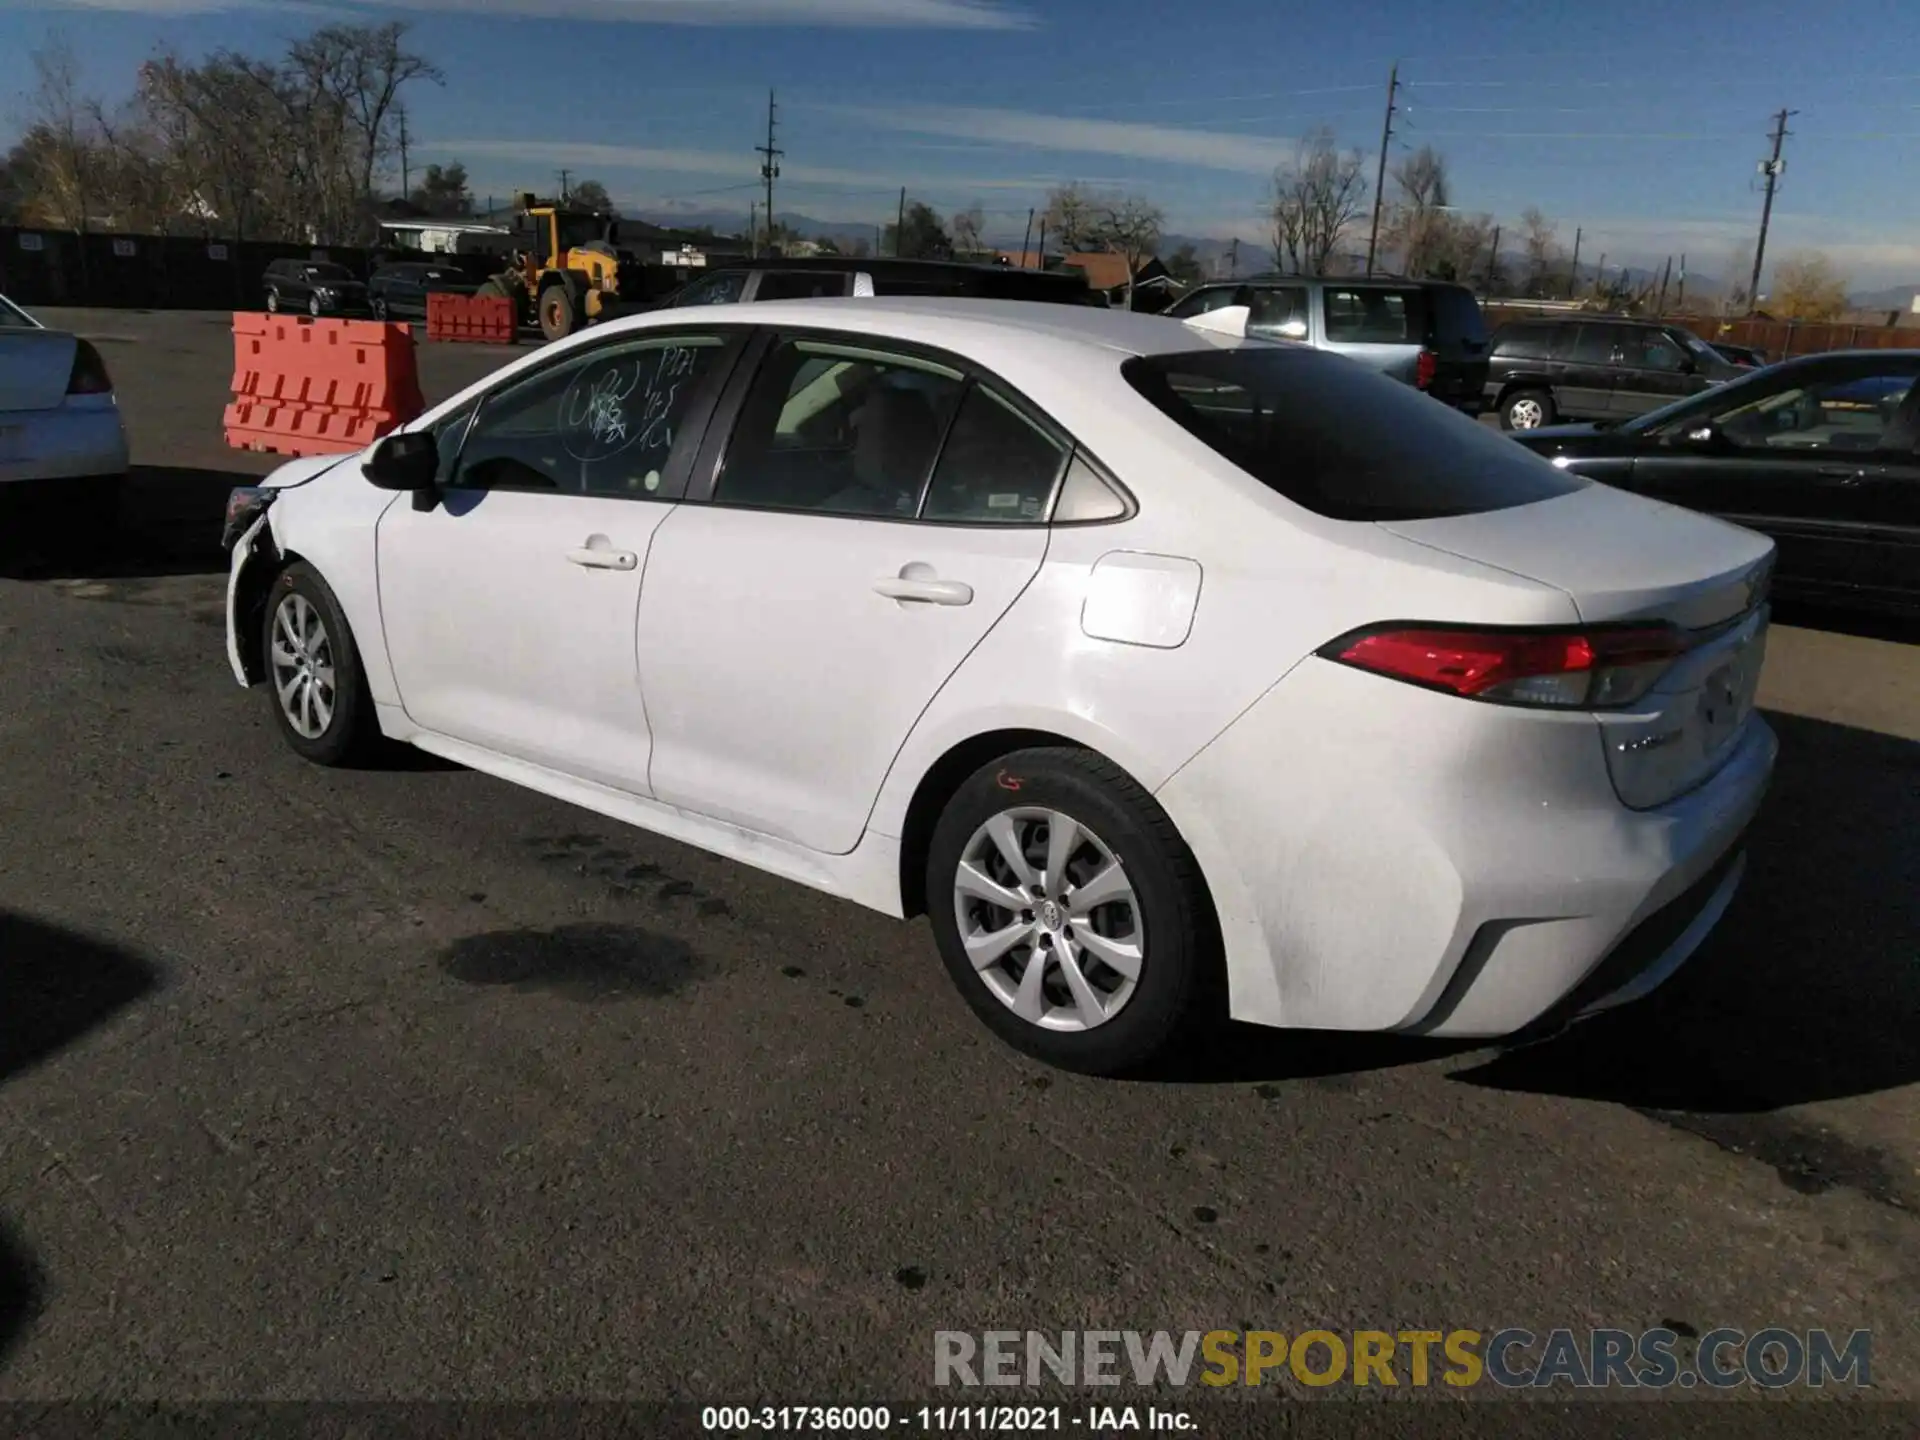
(601,423)
(1850,413)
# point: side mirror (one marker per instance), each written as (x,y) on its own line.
(408,461)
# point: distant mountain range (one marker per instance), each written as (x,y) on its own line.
(1896,297)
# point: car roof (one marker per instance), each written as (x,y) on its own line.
(891,265)
(962,324)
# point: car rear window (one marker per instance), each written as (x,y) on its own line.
(1342,440)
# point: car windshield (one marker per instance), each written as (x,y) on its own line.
(1341,440)
(12,317)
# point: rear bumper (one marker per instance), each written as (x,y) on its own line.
(72,442)
(1385,858)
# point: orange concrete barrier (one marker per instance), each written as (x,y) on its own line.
(483,319)
(319,387)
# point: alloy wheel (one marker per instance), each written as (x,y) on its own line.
(1049,918)
(303,673)
(1525,414)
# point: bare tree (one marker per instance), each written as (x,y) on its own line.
(1070,217)
(1540,239)
(1419,222)
(1317,197)
(1807,286)
(62,151)
(1129,226)
(966,226)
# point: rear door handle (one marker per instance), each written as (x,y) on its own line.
(925,592)
(597,559)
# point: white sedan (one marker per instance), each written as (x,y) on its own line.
(1168,671)
(61,435)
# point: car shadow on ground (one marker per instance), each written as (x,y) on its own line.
(1809,989)
(56,985)
(169,524)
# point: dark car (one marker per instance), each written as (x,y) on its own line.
(1596,367)
(319,287)
(399,291)
(779,279)
(1428,333)
(1822,453)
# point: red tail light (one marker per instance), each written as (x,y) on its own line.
(89,375)
(1564,669)
(1423,374)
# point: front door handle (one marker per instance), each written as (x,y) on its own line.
(1841,474)
(925,591)
(596,557)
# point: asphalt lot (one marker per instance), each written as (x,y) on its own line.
(404,1083)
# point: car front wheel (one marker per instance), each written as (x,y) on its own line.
(1526,410)
(314,679)
(1069,912)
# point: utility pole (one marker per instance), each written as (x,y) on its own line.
(1573,279)
(1661,308)
(1680,299)
(1771,168)
(1380,176)
(1233,259)
(1040,260)
(900,225)
(753,227)
(1028,241)
(1493,259)
(769,167)
(406,174)
(566,179)
(1600,275)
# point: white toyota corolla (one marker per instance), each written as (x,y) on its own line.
(1158,665)
(61,437)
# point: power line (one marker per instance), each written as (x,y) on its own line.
(1771,168)
(1380,180)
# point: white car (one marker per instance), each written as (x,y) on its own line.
(61,434)
(1168,671)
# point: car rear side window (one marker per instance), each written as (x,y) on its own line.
(1524,342)
(1342,441)
(1457,318)
(997,467)
(1375,315)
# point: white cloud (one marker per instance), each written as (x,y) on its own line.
(861,14)
(1209,149)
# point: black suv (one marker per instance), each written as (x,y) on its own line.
(319,287)
(777,279)
(399,291)
(1428,333)
(1596,367)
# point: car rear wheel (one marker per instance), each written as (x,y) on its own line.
(1526,410)
(314,680)
(1069,912)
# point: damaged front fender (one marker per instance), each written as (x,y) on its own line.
(249,574)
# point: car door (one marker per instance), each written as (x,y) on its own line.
(1586,356)
(1653,371)
(869,512)
(1823,459)
(1379,326)
(509,606)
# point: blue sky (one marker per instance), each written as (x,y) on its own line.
(1640,122)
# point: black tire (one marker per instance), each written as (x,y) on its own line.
(380,308)
(314,308)
(273,302)
(352,732)
(1548,412)
(557,315)
(1179,960)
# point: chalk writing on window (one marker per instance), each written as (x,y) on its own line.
(627,402)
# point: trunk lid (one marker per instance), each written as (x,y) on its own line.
(35,366)
(1621,557)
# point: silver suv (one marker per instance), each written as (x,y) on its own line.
(1428,333)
